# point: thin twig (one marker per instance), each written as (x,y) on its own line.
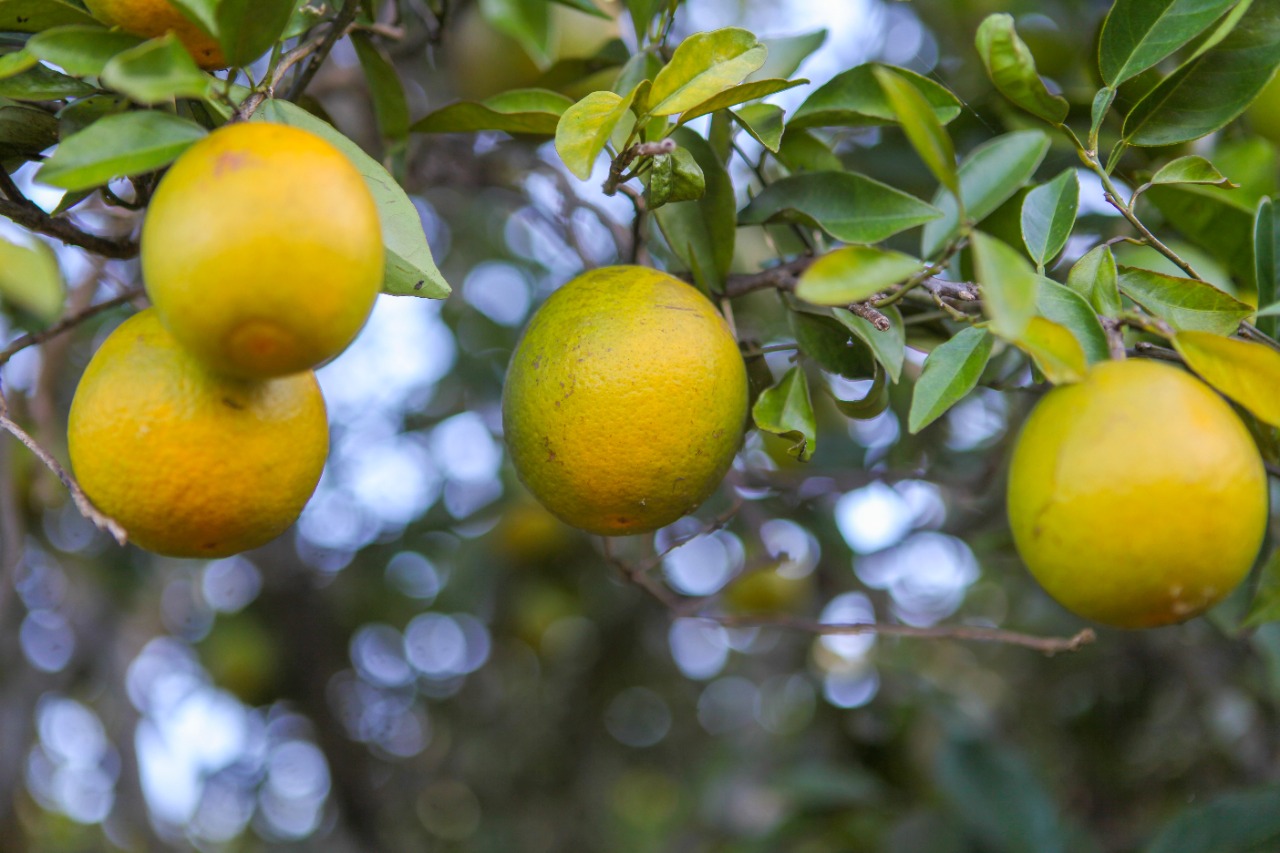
(34,219)
(337,31)
(640,149)
(81,500)
(1150,350)
(866,311)
(66,323)
(782,277)
(962,290)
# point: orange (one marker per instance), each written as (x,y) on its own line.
(1137,497)
(190,463)
(262,250)
(625,401)
(151,18)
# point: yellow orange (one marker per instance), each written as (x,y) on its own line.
(151,18)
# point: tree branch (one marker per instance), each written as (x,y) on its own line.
(782,277)
(34,219)
(66,324)
(337,31)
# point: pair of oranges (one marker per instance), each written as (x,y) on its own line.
(199,424)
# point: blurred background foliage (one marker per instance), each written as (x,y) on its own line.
(430,661)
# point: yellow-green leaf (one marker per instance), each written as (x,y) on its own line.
(1054,350)
(584,129)
(704,65)
(1246,372)
(853,274)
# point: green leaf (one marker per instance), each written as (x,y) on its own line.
(1069,309)
(25,130)
(921,126)
(1217,220)
(854,98)
(850,207)
(702,232)
(803,151)
(642,12)
(77,116)
(30,279)
(1139,33)
(950,372)
(1102,102)
(117,146)
(1054,350)
(873,403)
(993,789)
(763,122)
(410,269)
(889,346)
(535,111)
(246,29)
(156,72)
(16,63)
(1247,372)
(787,410)
(1049,215)
(1243,822)
(1265,606)
(674,177)
(991,173)
(1012,69)
(1184,303)
(787,54)
(1094,277)
(584,128)
(202,13)
(704,65)
(853,274)
(586,6)
(82,51)
(1266,261)
(33,16)
(389,104)
(1191,169)
(1211,89)
(1008,285)
(739,94)
(827,341)
(41,83)
(528,22)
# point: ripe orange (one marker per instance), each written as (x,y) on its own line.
(190,463)
(1137,497)
(625,401)
(262,250)
(151,18)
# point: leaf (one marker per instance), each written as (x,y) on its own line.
(1265,606)
(1184,303)
(1012,69)
(674,177)
(991,173)
(536,111)
(853,274)
(642,12)
(763,122)
(950,372)
(921,126)
(705,64)
(586,6)
(528,22)
(1242,822)
(1211,89)
(410,269)
(888,347)
(82,51)
(117,146)
(1266,261)
(1191,169)
(993,789)
(16,62)
(246,29)
(1054,350)
(1049,215)
(850,207)
(854,98)
(389,104)
(828,342)
(1008,285)
(1247,372)
(787,410)
(1102,102)
(1217,220)
(702,232)
(156,72)
(41,83)
(1139,33)
(30,279)
(584,128)
(25,130)
(33,16)
(1069,309)
(738,95)
(803,151)
(787,54)
(1094,277)
(871,405)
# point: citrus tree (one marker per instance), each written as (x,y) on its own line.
(771,419)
